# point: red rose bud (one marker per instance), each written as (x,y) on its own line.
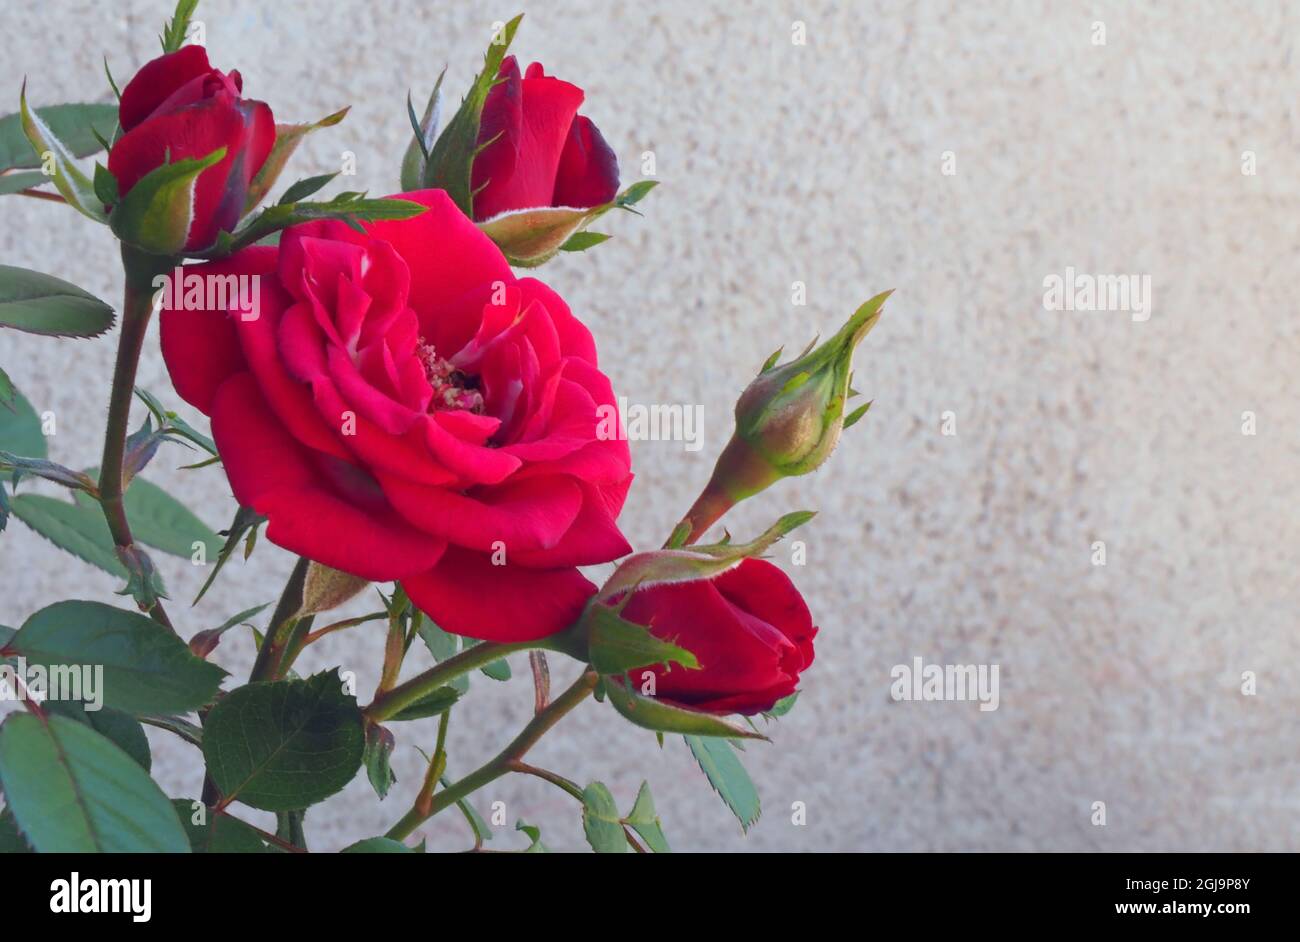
(537,151)
(194,145)
(749,629)
(788,421)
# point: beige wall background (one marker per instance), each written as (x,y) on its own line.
(822,164)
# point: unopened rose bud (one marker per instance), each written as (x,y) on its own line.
(788,421)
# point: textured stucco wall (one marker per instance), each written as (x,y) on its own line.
(822,163)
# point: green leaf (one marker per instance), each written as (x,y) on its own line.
(172,423)
(146,668)
(305,188)
(581,241)
(635,193)
(351,208)
(285,745)
(728,777)
(78,529)
(217,833)
(121,729)
(663,717)
(616,645)
(476,823)
(161,521)
(48,470)
(287,139)
(658,567)
(11,839)
(192,733)
(378,845)
(68,177)
(534,835)
(451,159)
(379,750)
(246,522)
(600,820)
(17,182)
(497,670)
(157,213)
(441,644)
(422,132)
(852,418)
(645,821)
(7,392)
(73,791)
(42,304)
(73,124)
(20,428)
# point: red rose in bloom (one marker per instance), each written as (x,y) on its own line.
(545,153)
(403,407)
(179,107)
(749,628)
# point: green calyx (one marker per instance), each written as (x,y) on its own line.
(791,416)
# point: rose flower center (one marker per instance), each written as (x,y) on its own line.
(452,388)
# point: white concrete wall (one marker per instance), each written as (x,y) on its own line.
(822,164)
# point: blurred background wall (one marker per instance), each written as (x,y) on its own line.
(824,163)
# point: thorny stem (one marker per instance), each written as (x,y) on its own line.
(391,702)
(269,655)
(559,781)
(570,786)
(278,632)
(313,636)
(499,766)
(137,307)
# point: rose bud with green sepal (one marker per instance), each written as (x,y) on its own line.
(788,421)
(190,148)
(519,160)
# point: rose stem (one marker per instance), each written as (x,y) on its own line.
(499,766)
(137,307)
(570,786)
(268,655)
(390,703)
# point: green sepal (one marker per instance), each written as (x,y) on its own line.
(156,214)
(530,237)
(451,159)
(616,645)
(688,564)
(69,179)
(287,139)
(664,717)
